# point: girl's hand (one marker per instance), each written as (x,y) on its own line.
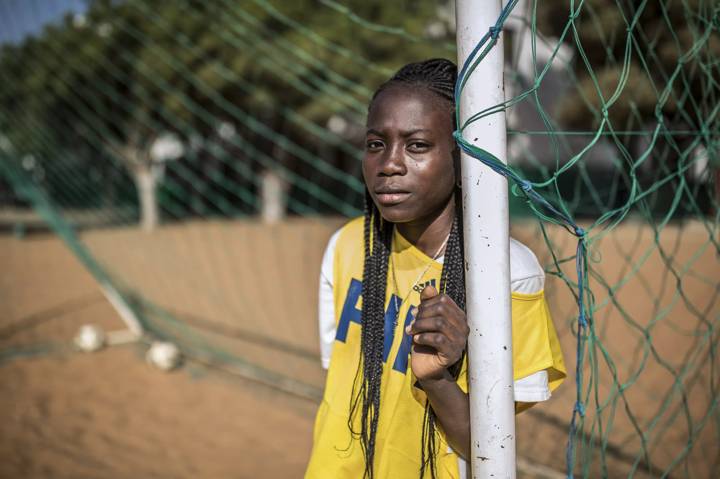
(439,334)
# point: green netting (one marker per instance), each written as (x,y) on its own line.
(155,137)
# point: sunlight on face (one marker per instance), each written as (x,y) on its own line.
(408,164)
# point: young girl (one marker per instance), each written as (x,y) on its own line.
(392,299)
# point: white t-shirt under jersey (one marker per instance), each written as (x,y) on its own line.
(526,276)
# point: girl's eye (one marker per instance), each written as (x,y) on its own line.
(419,146)
(373,144)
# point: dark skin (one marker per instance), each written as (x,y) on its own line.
(409,169)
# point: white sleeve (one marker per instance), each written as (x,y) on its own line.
(326,302)
(526,274)
(527,277)
(533,388)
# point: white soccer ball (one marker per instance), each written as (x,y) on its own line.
(90,338)
(164,355)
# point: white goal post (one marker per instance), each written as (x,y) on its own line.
(486,228)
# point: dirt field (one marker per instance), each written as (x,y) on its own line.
(111,415)
(249,290)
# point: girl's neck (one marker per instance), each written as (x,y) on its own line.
(429,233)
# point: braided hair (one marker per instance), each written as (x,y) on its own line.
(437,76)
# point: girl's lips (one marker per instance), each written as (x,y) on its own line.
(388,199)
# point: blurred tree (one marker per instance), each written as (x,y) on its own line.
(109,84)
(639,66)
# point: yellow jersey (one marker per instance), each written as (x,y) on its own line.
(336,454)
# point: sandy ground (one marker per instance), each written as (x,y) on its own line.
(249,290)
(111,415)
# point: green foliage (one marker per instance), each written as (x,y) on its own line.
(665,69)
(141,62)
(106,85)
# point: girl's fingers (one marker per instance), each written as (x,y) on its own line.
(428,324)
(437,325)
(438,341)
(447,309)
(439,308)
(409,327)
(439,299)
(425,321)
(438,344)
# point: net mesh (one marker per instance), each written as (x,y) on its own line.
(196,156)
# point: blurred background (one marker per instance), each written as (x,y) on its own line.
(170,173)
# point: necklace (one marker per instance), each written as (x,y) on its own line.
(417,280)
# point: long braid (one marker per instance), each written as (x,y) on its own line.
(378,236)
(369,263)
(437,76)
(452,283)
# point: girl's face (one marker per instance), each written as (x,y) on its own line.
(408,165)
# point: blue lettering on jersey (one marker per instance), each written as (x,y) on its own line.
(350,313)
(389,330)
(401,360)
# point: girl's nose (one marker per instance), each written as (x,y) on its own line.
(393,162)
